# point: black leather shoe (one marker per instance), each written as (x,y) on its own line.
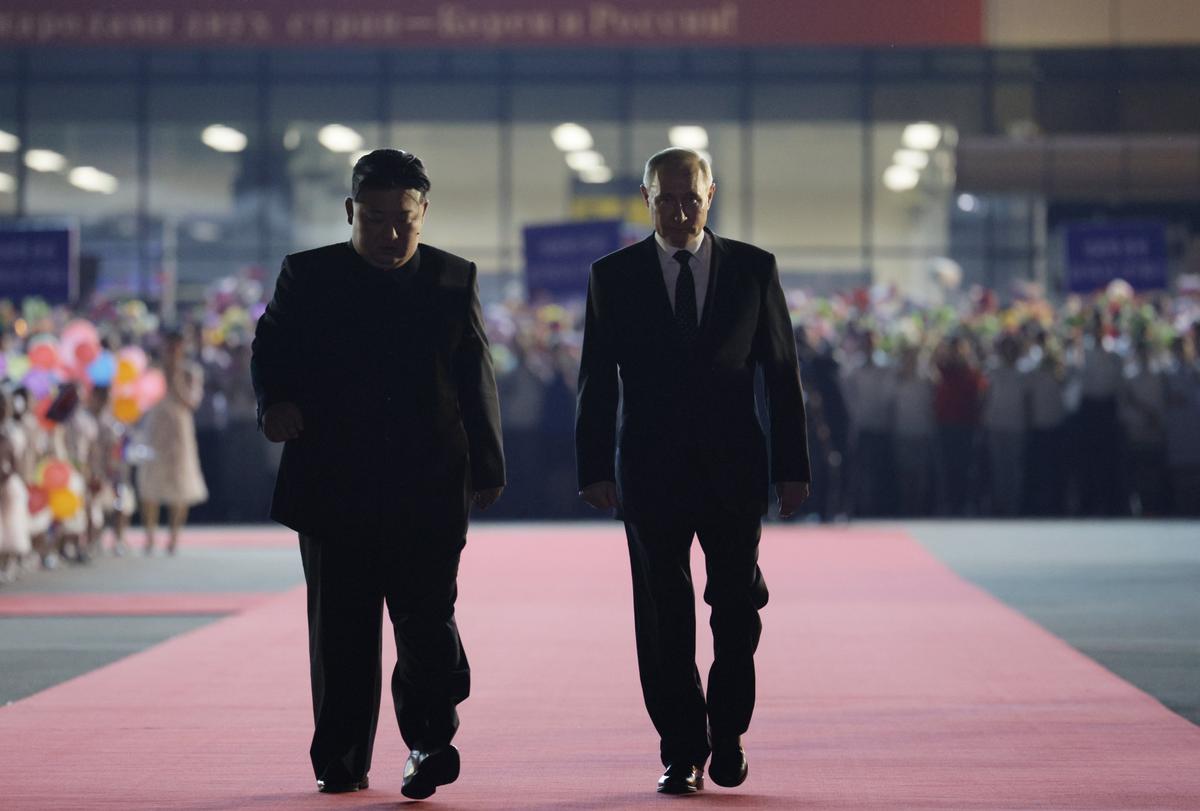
(728,766)
(681,778)
(425,771)
(335,787)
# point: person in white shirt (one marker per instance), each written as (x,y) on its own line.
(1142,409)
(1044,468)
(1004,418)
(913,437)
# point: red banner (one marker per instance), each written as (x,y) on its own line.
(490,23)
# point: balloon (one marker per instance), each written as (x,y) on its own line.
(44,354)
(37,499)
(127,372)
(151,388)
(56,474)
(40,410)
(103,369)
(86,353)
(18,365)
(80,331)
(39,382)
(135,355)
(64,504)
(126,409)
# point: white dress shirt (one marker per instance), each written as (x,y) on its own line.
(700,263)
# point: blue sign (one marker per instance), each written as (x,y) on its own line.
(39,262)
(1133,251)
(557,257)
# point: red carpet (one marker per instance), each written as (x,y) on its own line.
(139,604)
(885,682)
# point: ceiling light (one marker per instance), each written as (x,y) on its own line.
(598,174)
(913,158)
(900,178)
(921,135)
(223,138)
(9,142)
(587,159)
(291,138)
(339,138)
(89,178)
(8,183)
(688,137)
(967,203)
(45,160)
(571,137)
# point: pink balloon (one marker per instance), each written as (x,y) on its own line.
(85,353)
(151,387)
(44,354)
(135,355)
(80,331)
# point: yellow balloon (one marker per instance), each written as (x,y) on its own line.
(64,504)
(126,372)
(126,409)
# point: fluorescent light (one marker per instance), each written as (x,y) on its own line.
(571,137)
(8,183)
(9,142)
(339,138)
(598,174)
(89,178)
(688,137)
(913,158)
(587,159)
(223,138)
(921,135)
(900,178)
(45,160)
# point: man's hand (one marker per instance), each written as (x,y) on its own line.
(282,421)
(486,498)
(601,495)
(791,496)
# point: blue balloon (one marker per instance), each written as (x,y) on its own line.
(103,369)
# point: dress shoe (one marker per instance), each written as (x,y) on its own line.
(427,770)
(681,778)
(341,787)
(728,766)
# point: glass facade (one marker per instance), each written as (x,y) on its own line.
(801,142)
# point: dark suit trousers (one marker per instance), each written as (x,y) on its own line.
(349,581)
(665,621)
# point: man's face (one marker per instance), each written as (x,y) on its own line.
(386,225)
(679,200)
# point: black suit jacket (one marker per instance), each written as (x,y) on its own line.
(689,437)
(392,373)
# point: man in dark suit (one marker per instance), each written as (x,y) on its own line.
(372,366)
(684,319)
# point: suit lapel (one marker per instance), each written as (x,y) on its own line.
(717,299)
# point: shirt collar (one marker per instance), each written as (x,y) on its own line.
(693,246)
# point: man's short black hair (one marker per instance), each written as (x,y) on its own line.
(389,169)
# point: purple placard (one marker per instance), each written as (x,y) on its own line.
(557,257)
(1099,253)
(40,262)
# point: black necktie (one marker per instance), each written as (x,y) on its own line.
(685,297)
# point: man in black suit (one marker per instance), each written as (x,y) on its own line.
(372,365)
(685,319)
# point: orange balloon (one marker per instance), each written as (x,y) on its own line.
(126,371)
(56,474)
(126,409)
(64,504)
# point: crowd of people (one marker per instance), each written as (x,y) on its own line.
(82,405)
(967,408)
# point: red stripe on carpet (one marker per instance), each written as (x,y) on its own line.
(47,604)
(885,682)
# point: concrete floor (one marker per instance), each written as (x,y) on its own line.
(1125,593)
